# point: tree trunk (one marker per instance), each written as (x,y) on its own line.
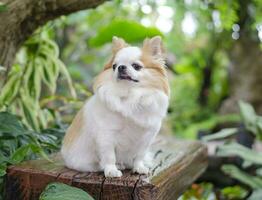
(245,77)
(22,17)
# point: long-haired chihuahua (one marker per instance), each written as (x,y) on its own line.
(117,125)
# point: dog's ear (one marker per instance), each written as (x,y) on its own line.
(154,47)
(117,44)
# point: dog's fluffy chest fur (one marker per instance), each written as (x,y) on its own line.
(129,122)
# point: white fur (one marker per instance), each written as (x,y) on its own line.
(121,121)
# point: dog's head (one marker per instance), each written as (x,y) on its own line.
(136,67)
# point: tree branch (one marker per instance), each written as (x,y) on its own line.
(22,17)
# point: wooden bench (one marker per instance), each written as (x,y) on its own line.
(176,165)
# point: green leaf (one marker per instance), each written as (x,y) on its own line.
(234,192)
(129,30)
(253,181)
(235,149)
(47,75)
(60,191)
(224,133)
(65,72)
(22,152)
(256,195)
(2,169)
(247,111)
(8,92)
(10,124)
(30,110)
(252,121)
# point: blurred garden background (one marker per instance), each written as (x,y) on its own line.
(214,60)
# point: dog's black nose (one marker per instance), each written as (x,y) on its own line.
(121,68)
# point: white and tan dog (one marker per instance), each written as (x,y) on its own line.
(116,126)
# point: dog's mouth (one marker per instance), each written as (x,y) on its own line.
(126,77)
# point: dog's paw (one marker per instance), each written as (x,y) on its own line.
(141,169)
(112,171)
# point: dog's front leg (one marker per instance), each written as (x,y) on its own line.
(108,160)
(139,166)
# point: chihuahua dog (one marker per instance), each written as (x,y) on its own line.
(117,125)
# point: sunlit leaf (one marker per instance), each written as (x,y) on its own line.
(234,192)
(131,31)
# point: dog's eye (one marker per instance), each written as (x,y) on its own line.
(114,66)
(136,66)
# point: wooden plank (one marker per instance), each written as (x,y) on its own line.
(176,165)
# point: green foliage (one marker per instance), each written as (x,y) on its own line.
(37,69)
(249,156)
(221,134)
(256,195)
(131,31)
(234,192)
(188,115)
(203,191)
(252,181)
(207,191)
(60,191)
(228,12)
(36,89)
(252,122)
(17,143)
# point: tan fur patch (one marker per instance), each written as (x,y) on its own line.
(74,129)
(102,78)
(109,64)
(158,78)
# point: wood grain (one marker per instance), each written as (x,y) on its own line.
(176,165)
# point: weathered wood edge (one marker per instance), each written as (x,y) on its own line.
(151,190)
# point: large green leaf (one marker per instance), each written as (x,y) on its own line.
(252,121)
(253,181)
(10,124)
(235,149)
(131,31)
(60,191)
